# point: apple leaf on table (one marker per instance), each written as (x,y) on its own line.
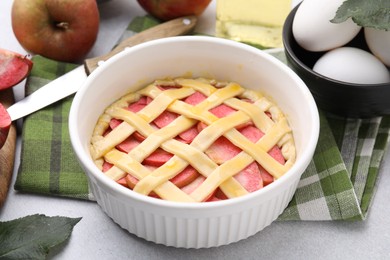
(374,13)
(31,237)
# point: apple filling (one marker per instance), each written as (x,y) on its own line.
(193,140)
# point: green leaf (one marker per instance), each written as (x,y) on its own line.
(32,237)
(373,13)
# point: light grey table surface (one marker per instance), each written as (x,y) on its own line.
(96,236)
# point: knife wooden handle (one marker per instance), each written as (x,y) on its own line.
(175,27)
(7,152)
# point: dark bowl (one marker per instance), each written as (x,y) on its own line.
(336,97)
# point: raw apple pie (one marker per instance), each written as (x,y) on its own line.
(193,140)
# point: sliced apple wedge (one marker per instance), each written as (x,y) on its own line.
(5,124)
(14,67)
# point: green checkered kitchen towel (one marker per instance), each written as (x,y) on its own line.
(339,183)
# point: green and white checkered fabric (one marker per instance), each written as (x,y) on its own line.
(48,164)
(339,183)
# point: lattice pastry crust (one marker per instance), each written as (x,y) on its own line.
(193,140)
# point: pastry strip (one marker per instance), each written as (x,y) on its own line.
(167,190)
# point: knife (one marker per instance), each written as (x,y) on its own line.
(70,82)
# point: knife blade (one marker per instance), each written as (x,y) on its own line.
(70,82)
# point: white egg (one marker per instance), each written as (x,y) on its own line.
(352,65)
(379,43)
(313,30)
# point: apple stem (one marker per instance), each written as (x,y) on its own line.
(63,25)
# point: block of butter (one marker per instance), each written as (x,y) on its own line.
(257,22)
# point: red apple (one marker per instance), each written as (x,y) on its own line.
(5,124)
(170,9)
(63,30)
(14,67)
